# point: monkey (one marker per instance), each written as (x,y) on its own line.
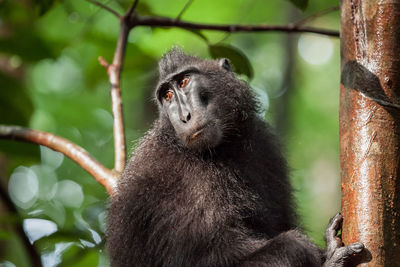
(208,184)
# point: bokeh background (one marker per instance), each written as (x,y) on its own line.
(50,80)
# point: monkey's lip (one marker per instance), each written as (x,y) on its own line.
(197,132)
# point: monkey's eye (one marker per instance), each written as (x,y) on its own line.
(184,82)
(168,95)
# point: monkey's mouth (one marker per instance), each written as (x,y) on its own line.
(207,135)
(197,132)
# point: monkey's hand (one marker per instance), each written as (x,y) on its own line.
(338,255)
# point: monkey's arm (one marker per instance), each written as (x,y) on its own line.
(292,248)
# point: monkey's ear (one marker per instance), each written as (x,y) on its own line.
(224,63)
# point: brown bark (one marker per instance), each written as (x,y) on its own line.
(370,128)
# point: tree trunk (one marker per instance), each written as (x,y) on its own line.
(370,128)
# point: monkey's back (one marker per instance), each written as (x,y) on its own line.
(175,208)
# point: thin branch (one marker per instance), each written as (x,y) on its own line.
(103,175)
(188,3)
(114,75)
(30,248)
(168,22)
(316,15)
(103,62)
(133,8)
(134,20)
(105,7)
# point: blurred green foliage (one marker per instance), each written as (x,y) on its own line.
(50,80)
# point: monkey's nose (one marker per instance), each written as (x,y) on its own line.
(186,117)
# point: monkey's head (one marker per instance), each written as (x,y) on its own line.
(202,100)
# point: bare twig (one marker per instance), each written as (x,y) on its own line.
(103,175)
(133,8)
(168,22)
(114,74)
(105,7)
(103,62)
(316,15)
(188,3)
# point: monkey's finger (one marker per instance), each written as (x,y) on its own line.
(332,241)
(342,254)
(335,224)
(332,246)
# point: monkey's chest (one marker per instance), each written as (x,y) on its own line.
(181,205)
(177,218)
(184,201)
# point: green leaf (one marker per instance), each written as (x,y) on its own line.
(301,4)
(239,60)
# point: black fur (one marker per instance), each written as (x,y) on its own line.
(227,204)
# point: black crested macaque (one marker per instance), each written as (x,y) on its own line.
(208,185)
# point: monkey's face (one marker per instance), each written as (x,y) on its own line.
(193,100)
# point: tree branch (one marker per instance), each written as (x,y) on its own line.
(165,22)
(132,19)
(114,74)
(103,175)
(107,8)
(131,11)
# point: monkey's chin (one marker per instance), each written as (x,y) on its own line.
(203,138)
